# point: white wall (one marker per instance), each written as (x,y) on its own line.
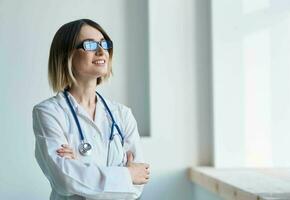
(180,93)
(251,45)
(179,60)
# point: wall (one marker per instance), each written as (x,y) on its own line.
(179,86)
(180,95)
(251,74)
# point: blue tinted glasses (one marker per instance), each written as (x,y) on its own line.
(92,45)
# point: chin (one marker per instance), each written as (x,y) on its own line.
(101,74)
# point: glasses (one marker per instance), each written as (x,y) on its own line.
(92,45)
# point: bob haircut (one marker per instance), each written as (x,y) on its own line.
(60,74)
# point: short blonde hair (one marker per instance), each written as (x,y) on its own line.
(60,73)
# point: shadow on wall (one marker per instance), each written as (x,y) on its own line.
(168,185)
(203,81)
(137,62)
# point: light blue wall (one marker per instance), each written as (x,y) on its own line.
(200,193)
(179,189)
(168,185)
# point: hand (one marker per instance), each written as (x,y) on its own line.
(66,151)
(139,171)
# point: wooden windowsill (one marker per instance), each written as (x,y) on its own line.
(244,183)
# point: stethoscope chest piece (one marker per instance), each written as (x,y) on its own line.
(85,149)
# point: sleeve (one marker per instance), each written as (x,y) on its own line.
(72,177)
(132,143)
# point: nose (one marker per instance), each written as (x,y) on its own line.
(100,51)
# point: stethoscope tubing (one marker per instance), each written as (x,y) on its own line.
(114,124)
(74,115)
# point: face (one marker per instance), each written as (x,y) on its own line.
(89,65)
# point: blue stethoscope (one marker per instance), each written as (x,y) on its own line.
(85,148)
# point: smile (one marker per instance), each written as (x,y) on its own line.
(99,62)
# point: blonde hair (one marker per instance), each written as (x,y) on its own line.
(60,74)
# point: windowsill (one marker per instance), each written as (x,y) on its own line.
(244,183)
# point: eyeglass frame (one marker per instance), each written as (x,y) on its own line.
(99,44)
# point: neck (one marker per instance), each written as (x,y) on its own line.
(84,93)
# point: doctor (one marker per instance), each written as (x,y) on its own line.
(87,146)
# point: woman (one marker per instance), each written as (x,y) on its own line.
(87,146)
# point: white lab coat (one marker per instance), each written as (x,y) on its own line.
(85,177)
